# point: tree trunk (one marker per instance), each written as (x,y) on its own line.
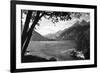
(26,26)
(29,34)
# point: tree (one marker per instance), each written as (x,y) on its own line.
(35,17)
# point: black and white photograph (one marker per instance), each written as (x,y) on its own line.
(53,35)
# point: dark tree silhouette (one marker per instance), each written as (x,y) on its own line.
(35,17)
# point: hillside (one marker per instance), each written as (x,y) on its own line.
(70,33)
(75,32)
(38,37)
(53,35)
(80,32)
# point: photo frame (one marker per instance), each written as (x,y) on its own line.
(36,44)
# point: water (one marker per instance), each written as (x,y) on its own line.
(48,49)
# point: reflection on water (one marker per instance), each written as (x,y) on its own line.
(48,49)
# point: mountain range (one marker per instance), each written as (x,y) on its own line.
(76,31)
(38,37)
(72,33)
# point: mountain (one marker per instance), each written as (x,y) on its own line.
(69,33)
(50,36)
(53,35)
(38,37)
(74,32)
(80,32)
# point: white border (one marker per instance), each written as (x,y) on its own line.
(20,65)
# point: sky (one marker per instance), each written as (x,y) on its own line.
(47,27)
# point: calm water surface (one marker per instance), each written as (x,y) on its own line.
(48,49)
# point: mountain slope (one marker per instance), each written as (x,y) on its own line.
(80,32)
(70,32)
(75,31)
(37,37)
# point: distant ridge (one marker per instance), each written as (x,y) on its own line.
(70,33)
(38,37)
(75,31)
